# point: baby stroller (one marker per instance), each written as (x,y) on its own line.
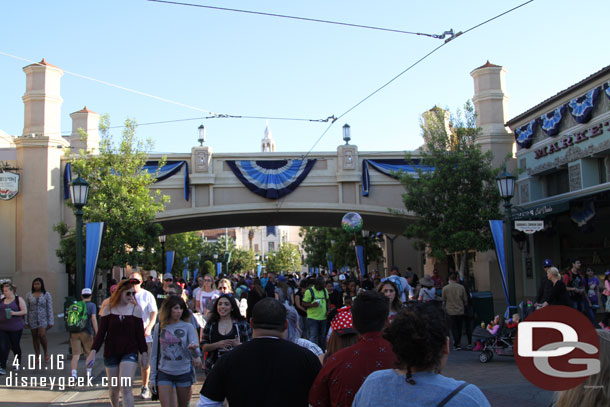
(500,344)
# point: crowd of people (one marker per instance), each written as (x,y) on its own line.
(323,340)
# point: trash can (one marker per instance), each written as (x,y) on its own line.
(483,305)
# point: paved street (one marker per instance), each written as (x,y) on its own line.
(499,379)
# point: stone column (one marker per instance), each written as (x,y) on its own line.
(40,202)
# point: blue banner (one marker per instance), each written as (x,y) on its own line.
(169,261)
(94,233)
(170,168)
(271,230)
(67,180)
(218,268)
(497,231)
(330,266)
(391,168)
(185,272)
(360,258)
(259,268)
(195,275)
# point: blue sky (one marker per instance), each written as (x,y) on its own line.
(261,66)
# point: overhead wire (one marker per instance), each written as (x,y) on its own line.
(308,19)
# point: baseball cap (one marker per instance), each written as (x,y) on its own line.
(341,277)
(342,323)
(547,263)
(167,276)
(281,279)
(86,291)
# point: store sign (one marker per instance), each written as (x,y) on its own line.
(9,185)
(571,140)
(529,226)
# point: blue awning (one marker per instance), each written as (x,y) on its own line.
(391,168)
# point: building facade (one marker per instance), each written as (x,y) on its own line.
(563,157)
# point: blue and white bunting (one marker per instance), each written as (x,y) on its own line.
(552,120)
(271,179)
(581,107)
(524,135)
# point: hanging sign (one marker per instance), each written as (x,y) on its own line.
(9,185)
(529,226)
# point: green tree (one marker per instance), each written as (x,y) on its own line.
(209,268)
(121,196)
(287,258)
(453,203)
(318,245)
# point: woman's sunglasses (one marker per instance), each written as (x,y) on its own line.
(130,293)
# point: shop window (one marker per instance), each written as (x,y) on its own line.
(557,183)
(256,248)
(271,246)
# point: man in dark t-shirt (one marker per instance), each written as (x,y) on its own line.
(267,371)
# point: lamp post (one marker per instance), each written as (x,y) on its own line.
(80,193)
(202,135)
(162,241)
(346,133)
(215,255)
(506,186)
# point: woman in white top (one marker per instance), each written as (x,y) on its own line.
(206,296)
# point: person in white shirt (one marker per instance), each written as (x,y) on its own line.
(206,295)
(146,301)
(406,291)
(196,293)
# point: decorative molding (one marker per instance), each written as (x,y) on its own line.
(349,162)
(573,153)
(201,159)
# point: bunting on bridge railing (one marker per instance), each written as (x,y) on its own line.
(391,168)
(271,179)
(170,168)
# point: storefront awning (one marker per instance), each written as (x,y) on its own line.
(542,211)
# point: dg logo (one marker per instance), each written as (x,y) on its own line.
(557,348)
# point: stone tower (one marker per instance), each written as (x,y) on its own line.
(40,201)
(491,105)
(268,144)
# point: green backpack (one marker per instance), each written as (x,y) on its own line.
(76,320)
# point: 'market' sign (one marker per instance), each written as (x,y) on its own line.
(9,185)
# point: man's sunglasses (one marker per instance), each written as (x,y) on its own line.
(169,279)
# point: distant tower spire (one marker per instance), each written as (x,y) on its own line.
(268,144)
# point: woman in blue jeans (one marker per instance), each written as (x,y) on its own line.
(12,310)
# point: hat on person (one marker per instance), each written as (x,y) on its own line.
(342,323)
(341,277)
(168,276)
(86,291)
(547,263)
(281,279)
(426,281)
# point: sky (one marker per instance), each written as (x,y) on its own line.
(251,65)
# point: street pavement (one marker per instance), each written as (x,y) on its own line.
(499,379)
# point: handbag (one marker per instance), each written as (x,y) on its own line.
(154,392)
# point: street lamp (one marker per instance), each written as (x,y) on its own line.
(506,186)
(346,133)
(202,135)
(162,241)
(79,194)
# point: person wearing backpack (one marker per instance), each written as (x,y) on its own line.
(315,301)
(81,322)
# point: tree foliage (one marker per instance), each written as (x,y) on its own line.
(318,245)
(453,203)
(286,258)
(120,195)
